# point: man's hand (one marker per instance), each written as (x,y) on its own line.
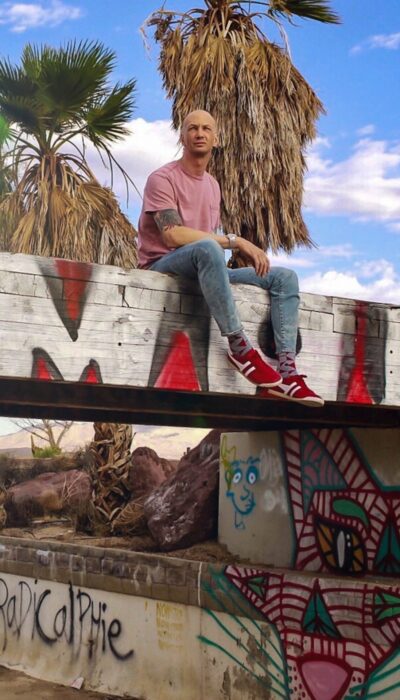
(254,255)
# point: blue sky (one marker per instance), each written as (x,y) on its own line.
(352,190)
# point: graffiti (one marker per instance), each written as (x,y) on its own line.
(257,651)
(345,521)
(241,476)
(80,622)
(328,653)
(182,357)
(362,372)
(44,367)
(70,302)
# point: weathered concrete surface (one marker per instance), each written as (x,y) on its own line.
(94,323)
(325,500)
(17,686)
(124,644)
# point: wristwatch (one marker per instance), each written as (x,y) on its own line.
(231,240)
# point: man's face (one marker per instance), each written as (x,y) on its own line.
(199,134)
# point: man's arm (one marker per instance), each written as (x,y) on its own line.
(174,234)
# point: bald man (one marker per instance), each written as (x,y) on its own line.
(177,235)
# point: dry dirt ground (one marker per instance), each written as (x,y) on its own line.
(17,686)
(210,550)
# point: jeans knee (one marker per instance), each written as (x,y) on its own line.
(208,251)
(291,281)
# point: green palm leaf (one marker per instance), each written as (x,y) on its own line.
(106,121)
(57,207)
(318,10)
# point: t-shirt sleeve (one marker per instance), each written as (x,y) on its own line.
(158,194)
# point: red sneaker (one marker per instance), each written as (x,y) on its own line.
(252,366)
(294,388)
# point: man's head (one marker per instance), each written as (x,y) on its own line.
(199,133)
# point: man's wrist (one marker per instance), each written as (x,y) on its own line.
(232,240)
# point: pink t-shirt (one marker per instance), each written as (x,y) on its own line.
(196,198)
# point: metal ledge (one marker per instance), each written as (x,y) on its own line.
(34,398)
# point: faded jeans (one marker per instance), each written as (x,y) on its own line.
(205,261)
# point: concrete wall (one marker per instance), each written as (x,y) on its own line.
(117,643)
(251,633)
(324,500)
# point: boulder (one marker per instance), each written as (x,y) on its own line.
(50,493)
(184,509)
(146,472)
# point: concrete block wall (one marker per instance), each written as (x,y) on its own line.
(151,626)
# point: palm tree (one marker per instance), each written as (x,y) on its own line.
(57,100)
(218,59)
(56,206)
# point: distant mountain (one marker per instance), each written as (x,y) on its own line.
(168,441)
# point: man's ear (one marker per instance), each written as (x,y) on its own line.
(216,141)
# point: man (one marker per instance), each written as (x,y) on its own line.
(177,227)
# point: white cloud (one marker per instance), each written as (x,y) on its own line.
(314,256)
(147,146)
(366,130)
(23,16)
(365,186)
(295,261)
(372,281)
(378,41)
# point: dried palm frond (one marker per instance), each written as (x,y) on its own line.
(131,520)
(111,454)
(60,211)
(218,59)
(56,207)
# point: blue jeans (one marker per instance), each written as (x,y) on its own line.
(205,261)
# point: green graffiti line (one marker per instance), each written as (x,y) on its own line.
(387,559)
(350,509)
(317,619)
(243,628)
(376,685)
(386,606)
(276,679)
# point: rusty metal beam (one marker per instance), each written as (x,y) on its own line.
(101,402)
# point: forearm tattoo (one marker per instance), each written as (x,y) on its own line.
(167,219)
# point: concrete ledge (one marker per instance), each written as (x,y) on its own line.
(91,323)
(127,623)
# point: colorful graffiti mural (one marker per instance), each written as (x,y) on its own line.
(345,520)
(181,352)
(326,640)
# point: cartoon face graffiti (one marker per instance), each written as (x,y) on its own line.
(243,475)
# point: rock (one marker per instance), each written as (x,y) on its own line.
(48,493)
(13,470)
(184,509)
(147,471)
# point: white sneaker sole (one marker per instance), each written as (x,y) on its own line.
(310,401)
